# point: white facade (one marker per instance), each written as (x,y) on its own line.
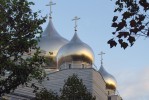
(91,78)
(55,81)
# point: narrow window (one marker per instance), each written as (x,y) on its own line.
(109,98)
(82,65)
(108,92)
(69,66)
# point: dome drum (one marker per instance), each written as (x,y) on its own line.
(74,64)
(73,58)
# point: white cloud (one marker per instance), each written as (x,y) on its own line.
(134,84)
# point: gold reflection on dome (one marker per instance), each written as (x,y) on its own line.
(75,50)
(111,84)
(109,79)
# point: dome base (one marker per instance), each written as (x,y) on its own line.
(75,64)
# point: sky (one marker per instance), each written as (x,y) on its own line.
(130,67)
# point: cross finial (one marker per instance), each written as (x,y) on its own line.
(51,4)
(101,54)
(75,19)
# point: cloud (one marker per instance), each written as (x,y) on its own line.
(134,84)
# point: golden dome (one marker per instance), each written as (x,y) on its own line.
(50,43)
(109,79)
(75,50)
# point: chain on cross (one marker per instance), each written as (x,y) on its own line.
(75,19)
(101,54)
(51,4)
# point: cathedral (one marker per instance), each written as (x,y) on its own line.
(65,58)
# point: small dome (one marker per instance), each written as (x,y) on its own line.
(109,79)
(50,43)
(75,50)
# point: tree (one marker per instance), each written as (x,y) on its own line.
(133,22)
(46,95)
(74,89)
(18,28)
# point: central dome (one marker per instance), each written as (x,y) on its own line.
(75,50)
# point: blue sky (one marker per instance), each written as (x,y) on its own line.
(130,67)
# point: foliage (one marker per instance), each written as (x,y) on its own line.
(74,89)
(3,98)
(133,22)
(18,28)
(46,95)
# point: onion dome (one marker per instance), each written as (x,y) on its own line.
(75,51)
(109,79)
(50,43)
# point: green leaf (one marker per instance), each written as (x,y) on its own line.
(121,25)
(124,45)
(133,23)
(120,41)
(114,24)
(123,34)
(131,40)
(112,43)
(127,15)
(115,18)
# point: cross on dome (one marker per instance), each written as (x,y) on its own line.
(101,54)
(51,4)
(75,19)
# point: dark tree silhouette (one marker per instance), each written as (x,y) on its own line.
(46,95)
(74,89)
(133,22)
(18,27)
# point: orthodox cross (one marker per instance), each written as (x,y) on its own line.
(51,4)
(75,19)
(101,54)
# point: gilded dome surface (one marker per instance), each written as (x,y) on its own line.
(75,50)
(50,41)
(109,79)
